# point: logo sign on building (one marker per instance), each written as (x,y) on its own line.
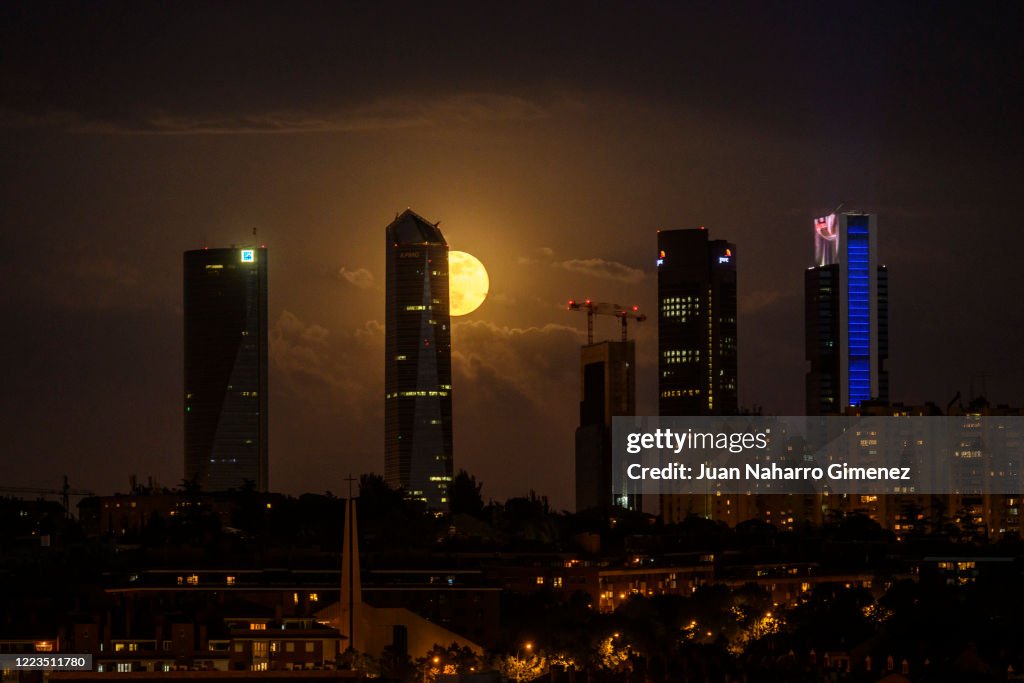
(248,255)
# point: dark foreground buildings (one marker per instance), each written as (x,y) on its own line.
(225,402)
(846,296)
(418,362)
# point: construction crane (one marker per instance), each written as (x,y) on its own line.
(65,492)
(592,308)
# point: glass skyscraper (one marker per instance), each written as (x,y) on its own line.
(846,296)
(697,359)
(225,402)
(418,362)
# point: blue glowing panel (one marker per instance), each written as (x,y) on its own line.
(858,318)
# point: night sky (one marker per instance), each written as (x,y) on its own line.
(551,140)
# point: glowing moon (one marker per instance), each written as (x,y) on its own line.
(467,283)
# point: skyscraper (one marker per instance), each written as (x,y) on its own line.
(607,389)
(697,365)
(418,362)
(226,368)
(846,296)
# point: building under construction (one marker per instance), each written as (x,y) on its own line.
(607,389)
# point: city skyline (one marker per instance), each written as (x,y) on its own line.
(555,167)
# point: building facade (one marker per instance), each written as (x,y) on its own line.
(607,389)
(225,401)
(846,295)
(418,362)
(697,331)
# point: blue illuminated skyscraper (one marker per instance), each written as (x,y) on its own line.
(847,316)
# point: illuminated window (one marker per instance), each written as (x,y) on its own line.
(289,647)
(309,647)
(230,580)
(314,597)
(257,627)
(193,580)
(540,580)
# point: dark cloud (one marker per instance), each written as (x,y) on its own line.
(453,110)
(913,71)
(603,269)
(516,393)
(333,373)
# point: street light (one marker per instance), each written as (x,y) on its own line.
(528,646)
(436,660)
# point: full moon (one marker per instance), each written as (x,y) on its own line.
(467,283)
